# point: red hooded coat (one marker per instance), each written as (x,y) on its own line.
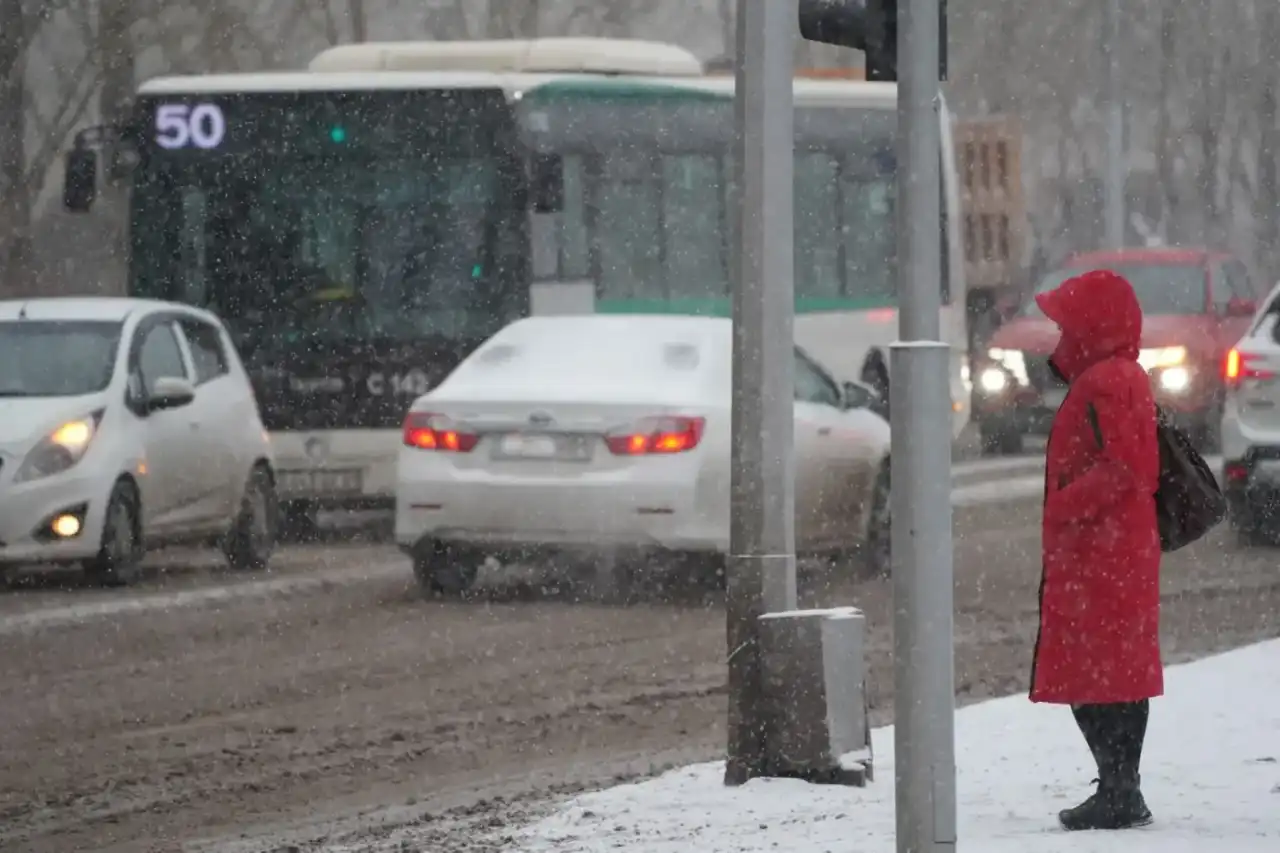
(1099,635)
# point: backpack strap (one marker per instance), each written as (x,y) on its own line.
(1093,424)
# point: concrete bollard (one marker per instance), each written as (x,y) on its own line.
(815,698)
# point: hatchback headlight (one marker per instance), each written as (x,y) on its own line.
(60,449)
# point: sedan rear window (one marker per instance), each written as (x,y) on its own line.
(1161,288)
(591,353)
(46,358)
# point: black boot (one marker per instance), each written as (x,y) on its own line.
(1115,734)
(1111,807)
(1092,720)
(1091,814)
(1128,806)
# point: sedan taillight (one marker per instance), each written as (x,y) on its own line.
(1238,366)
(666,434)
(428,431)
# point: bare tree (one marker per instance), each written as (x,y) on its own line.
(31,145)
(15,202)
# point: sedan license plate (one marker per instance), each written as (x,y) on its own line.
(519,445)
(321,482)
(1053,399)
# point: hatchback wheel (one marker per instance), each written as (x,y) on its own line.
(119,558)
(252,538)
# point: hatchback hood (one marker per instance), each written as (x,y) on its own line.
(24,420)
(1038,336)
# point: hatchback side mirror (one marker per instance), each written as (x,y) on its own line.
(170,392)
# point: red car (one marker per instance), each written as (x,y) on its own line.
(1196,303)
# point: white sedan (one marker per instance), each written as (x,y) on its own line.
(610,435)
(125,425)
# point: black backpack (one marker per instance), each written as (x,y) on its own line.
(1189,501)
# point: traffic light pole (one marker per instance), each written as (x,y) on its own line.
(761,570)
(1116,173)
(924,695)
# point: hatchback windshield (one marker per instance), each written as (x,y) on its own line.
(45,358)
(1161,289)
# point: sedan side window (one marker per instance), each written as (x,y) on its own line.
(159,357)
(814,386)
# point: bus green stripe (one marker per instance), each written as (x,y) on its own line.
(720,306)
(618,90)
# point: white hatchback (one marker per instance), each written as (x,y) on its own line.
(125,425)
(610,434)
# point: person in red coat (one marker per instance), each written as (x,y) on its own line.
(1098,649)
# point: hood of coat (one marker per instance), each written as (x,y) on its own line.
(1099,316)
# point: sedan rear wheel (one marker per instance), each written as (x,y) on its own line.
(442,570)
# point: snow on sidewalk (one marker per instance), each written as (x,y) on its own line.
(1211,774)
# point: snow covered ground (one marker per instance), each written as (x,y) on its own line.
(1211,776)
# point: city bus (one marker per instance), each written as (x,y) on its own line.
(364,224)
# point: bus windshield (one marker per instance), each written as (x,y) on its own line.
(389,238)
(369,250)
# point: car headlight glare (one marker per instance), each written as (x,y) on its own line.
(1012,360)
(1175,379)
(60,449)
(993,380)
(1153,359)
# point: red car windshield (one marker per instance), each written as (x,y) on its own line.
(1161,289)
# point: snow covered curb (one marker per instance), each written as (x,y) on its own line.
(1211,776)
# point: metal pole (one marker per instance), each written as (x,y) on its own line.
(359,20)
(1114,188)
(924,696)
(761,567)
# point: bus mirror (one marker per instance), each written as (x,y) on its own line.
(80,180)
(121,161)
(546,183)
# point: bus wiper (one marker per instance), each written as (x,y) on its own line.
(14,392)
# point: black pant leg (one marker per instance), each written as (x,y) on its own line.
(1120,729)
(1132,735)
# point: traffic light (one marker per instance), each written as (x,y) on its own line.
(870,26)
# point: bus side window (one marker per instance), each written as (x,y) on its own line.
(869,230)
(817,226)
(692,213)
(628,233)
